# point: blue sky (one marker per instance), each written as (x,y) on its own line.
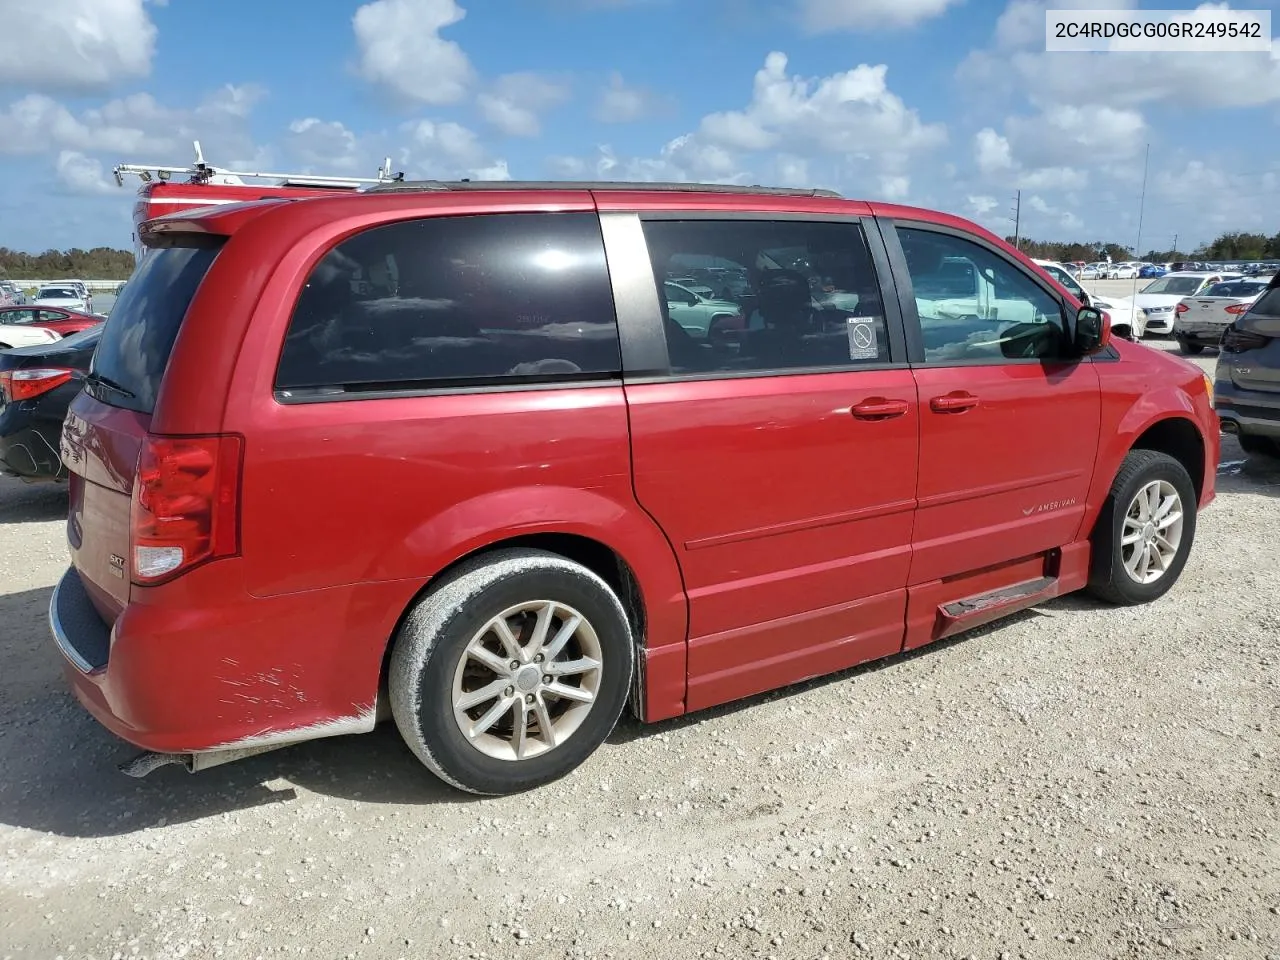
(952,104)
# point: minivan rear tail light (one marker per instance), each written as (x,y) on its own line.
(1235,340)
(18,385)
(185,507)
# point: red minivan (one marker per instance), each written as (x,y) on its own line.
(440,452)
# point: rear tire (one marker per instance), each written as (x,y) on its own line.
(1186,346)
(1259,446)
(483,725)
(1143,536)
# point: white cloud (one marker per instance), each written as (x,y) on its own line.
(516,99)
(981,205)
(447,151)
(83,175)
(1053,178)
(323,146)
(619,102)
(137,127)
(400,47)
(853,113)
(74,45)
(894,187)
(991,151)
(824,16)
(847,127)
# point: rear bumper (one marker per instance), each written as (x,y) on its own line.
(1247,411)
(200,667)
(1208,334)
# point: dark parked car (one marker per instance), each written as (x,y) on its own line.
(37,384)
(1247,391)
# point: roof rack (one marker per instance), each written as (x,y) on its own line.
(201,172)
(411,186)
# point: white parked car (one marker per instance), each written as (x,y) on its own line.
(67,297)
(1120,309)
(1124,271)
(16,335)
(1200,321)
(85,294)
(1157,301)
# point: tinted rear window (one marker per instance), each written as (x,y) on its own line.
(457,301)
(139,335)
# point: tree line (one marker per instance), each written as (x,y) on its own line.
(1233,245)
(100,263)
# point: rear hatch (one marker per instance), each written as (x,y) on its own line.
(1252,344)
(108,422)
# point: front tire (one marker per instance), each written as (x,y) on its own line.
(1143,537)
(511,671)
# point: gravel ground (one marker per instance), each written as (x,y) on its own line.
(1080,781)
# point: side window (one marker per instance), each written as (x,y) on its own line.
(997,313)
(783,295)
(1064,278)
(20,316)
(48,315)
(457,301)
(678,294)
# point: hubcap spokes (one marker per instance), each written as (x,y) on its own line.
(527,680)
(1152,532)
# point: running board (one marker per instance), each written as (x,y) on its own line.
(982,608)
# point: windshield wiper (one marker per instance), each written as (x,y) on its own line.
(98,380)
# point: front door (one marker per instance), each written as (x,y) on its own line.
(781,464)
(1009,421)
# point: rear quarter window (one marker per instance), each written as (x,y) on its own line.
(450,302)
(138,337)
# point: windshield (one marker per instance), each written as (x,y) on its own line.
(1174,286)
(1235,288)
(58,293)
(138,336)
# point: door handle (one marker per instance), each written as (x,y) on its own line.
(955,402)
(879,408)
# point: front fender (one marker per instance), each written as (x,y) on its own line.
(1123,425)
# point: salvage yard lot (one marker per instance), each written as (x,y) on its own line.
(1080,781)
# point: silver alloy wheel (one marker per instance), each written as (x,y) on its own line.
(1152,531)
(527,680)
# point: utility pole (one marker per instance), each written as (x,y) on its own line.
(1017,220)
(1175,244)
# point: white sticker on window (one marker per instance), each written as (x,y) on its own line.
(863,343)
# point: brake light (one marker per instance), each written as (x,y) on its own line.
(1235,340)
(1182,308)
(1238,308)
(18,385)
(185,504)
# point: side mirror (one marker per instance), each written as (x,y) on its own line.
(1093,331)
